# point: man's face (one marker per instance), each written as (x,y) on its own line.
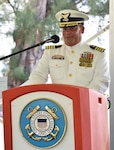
(72,35)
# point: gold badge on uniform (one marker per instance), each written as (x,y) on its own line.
(58,57)
(65,17)
(86,59)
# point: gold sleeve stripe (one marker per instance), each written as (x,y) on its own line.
(100,49)
(52,46)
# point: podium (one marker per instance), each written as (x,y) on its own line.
(55,117)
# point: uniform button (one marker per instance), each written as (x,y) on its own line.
(56,65)
(70,75)
(71,62)
(72,51)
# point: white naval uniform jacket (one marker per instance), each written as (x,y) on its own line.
(65,67)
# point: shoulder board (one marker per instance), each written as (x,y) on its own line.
(52,46)
(100,49)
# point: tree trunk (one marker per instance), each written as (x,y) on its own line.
(30,58)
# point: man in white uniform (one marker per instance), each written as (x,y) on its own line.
(75,62)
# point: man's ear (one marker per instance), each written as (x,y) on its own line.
(82,28)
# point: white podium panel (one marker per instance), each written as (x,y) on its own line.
(27,103)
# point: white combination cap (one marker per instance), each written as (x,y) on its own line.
(70,17)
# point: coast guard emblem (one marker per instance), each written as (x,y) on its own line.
(43,123)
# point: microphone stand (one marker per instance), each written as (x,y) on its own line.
(39,44)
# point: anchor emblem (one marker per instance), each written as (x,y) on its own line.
(43,123)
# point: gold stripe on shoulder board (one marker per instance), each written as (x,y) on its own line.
(52,46)
(100,49)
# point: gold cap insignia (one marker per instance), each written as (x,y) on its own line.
(65,17)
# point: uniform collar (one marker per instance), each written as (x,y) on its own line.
(74,46)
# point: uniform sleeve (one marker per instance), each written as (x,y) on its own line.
(101,78)
(40,74)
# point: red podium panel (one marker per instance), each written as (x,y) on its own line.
(84,125)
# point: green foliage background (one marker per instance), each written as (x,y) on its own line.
(24,15)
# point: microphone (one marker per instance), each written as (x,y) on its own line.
(54,39)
